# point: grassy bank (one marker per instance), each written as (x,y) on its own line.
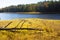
(29,12)
(47,29)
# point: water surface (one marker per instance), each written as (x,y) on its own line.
(8,16)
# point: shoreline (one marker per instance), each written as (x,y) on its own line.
(33,12)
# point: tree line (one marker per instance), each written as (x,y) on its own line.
(46,6)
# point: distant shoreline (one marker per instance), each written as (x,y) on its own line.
(33,12)
(40,12)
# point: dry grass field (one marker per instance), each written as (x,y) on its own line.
(30,29)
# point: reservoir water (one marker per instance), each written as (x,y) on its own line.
(8,16)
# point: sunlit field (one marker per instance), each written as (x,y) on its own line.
(30,29)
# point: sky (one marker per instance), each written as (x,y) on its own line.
(6,3)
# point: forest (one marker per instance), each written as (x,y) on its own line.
(46,6)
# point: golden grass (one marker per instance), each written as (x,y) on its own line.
(4,23)
(49,29)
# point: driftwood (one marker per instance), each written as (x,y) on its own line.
(21,29)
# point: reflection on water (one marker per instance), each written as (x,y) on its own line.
(7,16)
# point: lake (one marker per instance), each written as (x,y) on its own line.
(8,16)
